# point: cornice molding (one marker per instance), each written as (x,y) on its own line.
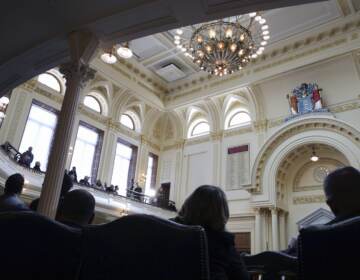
(337,34)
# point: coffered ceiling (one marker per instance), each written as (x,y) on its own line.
(159,54)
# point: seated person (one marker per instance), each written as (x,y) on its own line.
(85,181)
(67,184)
(77,209)
(207,206)
(37,166)
(99,185)
(342,192)
(10,200)
(72,173)
(110,189)
(26,158)
(137,192)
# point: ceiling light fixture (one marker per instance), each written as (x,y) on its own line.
(108,56)
(124,51)
(314,157)
(224,46)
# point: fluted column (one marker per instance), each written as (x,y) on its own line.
(275,229)
(282,229)
(77,73)
(258,231)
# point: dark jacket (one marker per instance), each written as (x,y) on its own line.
(12,203)
(26,158)
(225,261)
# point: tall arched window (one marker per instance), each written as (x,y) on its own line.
(201,128)
(239,119)
(50,81)
(92,103)
(127,121)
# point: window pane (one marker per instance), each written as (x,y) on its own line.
(121,167)
(50,81)
(127,121)
(84,151)
(38,133)
(239,119)
(149,173)
(92,103)
(200,128)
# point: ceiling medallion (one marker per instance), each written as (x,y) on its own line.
(228,45)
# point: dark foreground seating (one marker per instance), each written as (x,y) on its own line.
(135,247)
(272,265)
(330,251)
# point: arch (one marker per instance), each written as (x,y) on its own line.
(100,99)
(92,103)
(236,118)
(127,120)
(51,81)
(321,130)
(135,119)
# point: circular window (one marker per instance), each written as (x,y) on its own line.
(200,129)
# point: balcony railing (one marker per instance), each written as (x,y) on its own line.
(132,195)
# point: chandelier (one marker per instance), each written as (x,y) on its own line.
(228,45)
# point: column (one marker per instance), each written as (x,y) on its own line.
(77,73)
(275,229)
(282,229)
(258,231)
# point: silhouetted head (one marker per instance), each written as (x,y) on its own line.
(206,206)
(67,184)
(77,208)
(14,184)
(342,191)
(74,168)
(30,149)
(37,163)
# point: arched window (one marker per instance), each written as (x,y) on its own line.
(200,129)
(92,103)
(50,81)
(240,118)
(127,121)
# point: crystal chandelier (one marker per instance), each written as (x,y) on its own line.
(228,45)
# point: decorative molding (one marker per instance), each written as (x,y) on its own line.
(345,26)
(300,173)
(198,140)
(145,141)
(291,130)
(176,146)
(307,199)
(238,131)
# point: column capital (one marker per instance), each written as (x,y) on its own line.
(77,69)
(216,136)
(257,210)
(274,210)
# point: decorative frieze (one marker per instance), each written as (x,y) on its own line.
(307,199)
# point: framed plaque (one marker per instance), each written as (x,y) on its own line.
(238,167)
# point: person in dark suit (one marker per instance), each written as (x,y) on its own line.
(37,166)
(26,158)
(67,184)
(85,181)
(72,173)
(342,192)
(10,200)
(77,208)
(207,206)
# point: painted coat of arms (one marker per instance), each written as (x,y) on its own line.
(305,98)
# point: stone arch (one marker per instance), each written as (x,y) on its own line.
(322,130)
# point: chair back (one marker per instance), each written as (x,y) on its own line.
(330,251)
(35,247)
(141,247)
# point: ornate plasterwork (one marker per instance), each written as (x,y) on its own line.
(307,199)
(283,55)
(300,173)
(175,146)
(238,131)
(118,127)
(147,142)
(291,130)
